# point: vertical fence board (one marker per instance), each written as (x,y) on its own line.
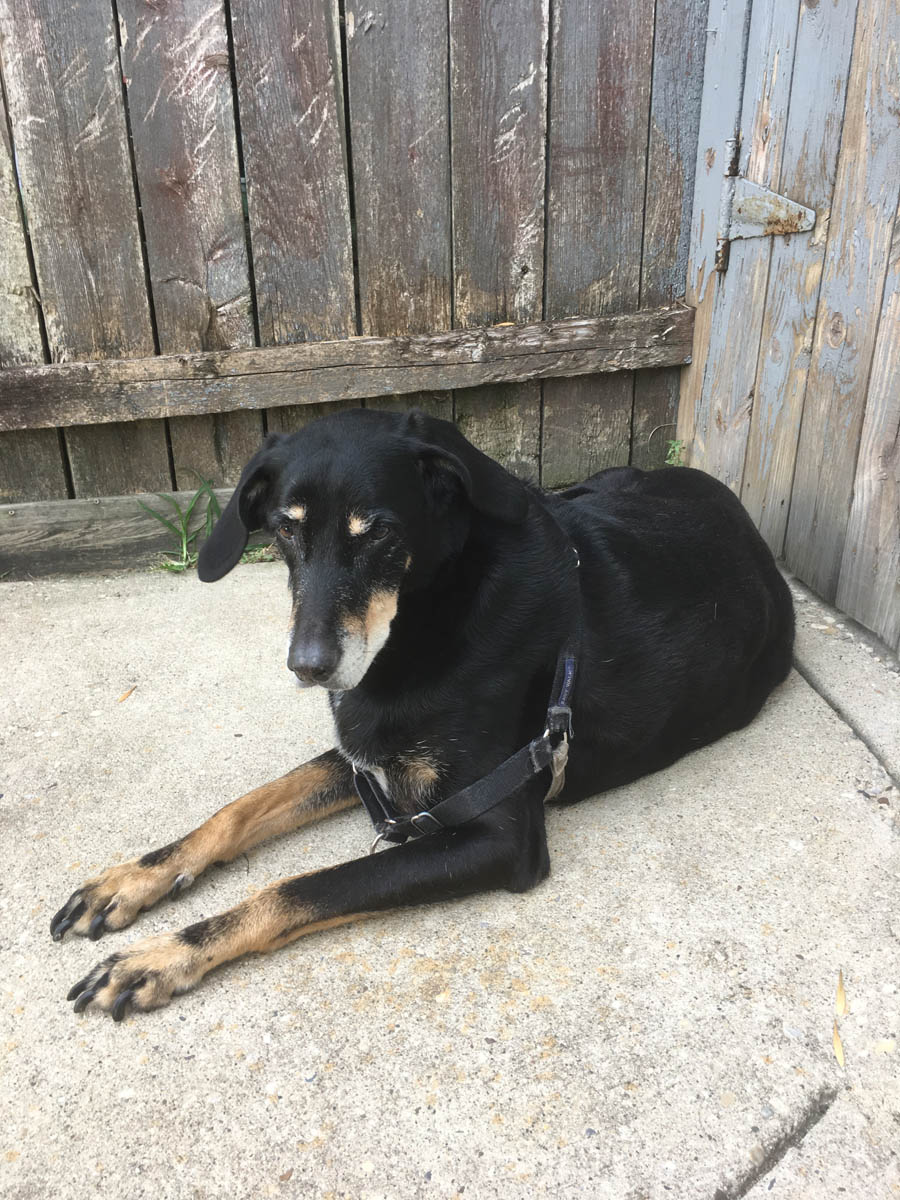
(720,108)
(287,62)
(600,70)
(176,68)
(505,422)
(400,134)
(869,584)
(726,400)
(289,91)
(498,134)
(399,125)
(859,234)
(678,46)
(62,75)
(30,459)
(821,66)
(20,329)
(498,98)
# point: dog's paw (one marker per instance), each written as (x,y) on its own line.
(114,898)
(146,975)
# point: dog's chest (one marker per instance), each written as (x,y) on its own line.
(407,769)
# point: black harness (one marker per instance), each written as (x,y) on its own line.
(551,750)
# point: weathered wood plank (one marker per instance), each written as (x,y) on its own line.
(720,109)
(725,401)
(64,90)
(176,70)
(292,417)
(20,329)
(600,74)
(809,162)
(67,536)
(315,372)
(869,583)
(30,461)
(498,134)
(678,50)
(399,131)
(505,422)
(31,466)
(287,62)
(859,235)
(587,426)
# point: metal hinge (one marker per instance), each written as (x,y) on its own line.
(750,210)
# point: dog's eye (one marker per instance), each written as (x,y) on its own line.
(380,532)
(286,529)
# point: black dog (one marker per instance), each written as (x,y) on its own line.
(454,613)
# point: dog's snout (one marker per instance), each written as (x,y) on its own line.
(313,660)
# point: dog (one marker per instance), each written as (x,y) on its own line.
(461,621)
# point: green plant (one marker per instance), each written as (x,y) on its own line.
(675,453)
(184,555)
(255,554)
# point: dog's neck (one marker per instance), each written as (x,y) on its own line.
(457,637)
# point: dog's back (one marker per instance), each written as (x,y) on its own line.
(704,620)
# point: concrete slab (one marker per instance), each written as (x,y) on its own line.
(853,670)
(655,1020)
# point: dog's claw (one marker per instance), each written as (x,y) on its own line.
(78,988)
(82,1001)
(182,881)
(97,926)
(73,908)
(121,1004)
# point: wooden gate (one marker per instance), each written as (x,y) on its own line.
(216,217)
(793,396)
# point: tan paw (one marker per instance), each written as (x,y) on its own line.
(146,975)
(114,898)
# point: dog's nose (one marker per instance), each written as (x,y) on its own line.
(313,661)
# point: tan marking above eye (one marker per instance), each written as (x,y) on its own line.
(296,512)
(358,524)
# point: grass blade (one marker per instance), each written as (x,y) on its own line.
(163,520)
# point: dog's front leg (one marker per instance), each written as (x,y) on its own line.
(438,867)
(114,898)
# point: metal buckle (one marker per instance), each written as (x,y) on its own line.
(558,758)
(436,827)
(381,835)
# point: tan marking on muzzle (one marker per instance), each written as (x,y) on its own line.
(382,610)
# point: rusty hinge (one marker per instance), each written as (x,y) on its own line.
(750,210)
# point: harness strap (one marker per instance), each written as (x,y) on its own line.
(551,750)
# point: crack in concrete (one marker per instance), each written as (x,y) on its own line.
(838,709)
(818,1106)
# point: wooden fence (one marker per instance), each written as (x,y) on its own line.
(793,396)
(190,191)
(219,216)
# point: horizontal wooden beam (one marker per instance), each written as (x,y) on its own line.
(51,537)
(92,393)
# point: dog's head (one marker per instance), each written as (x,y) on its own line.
(363,505)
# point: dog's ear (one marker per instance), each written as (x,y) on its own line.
(244,512)
(442,448)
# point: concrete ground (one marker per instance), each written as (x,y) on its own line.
(656,1020)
